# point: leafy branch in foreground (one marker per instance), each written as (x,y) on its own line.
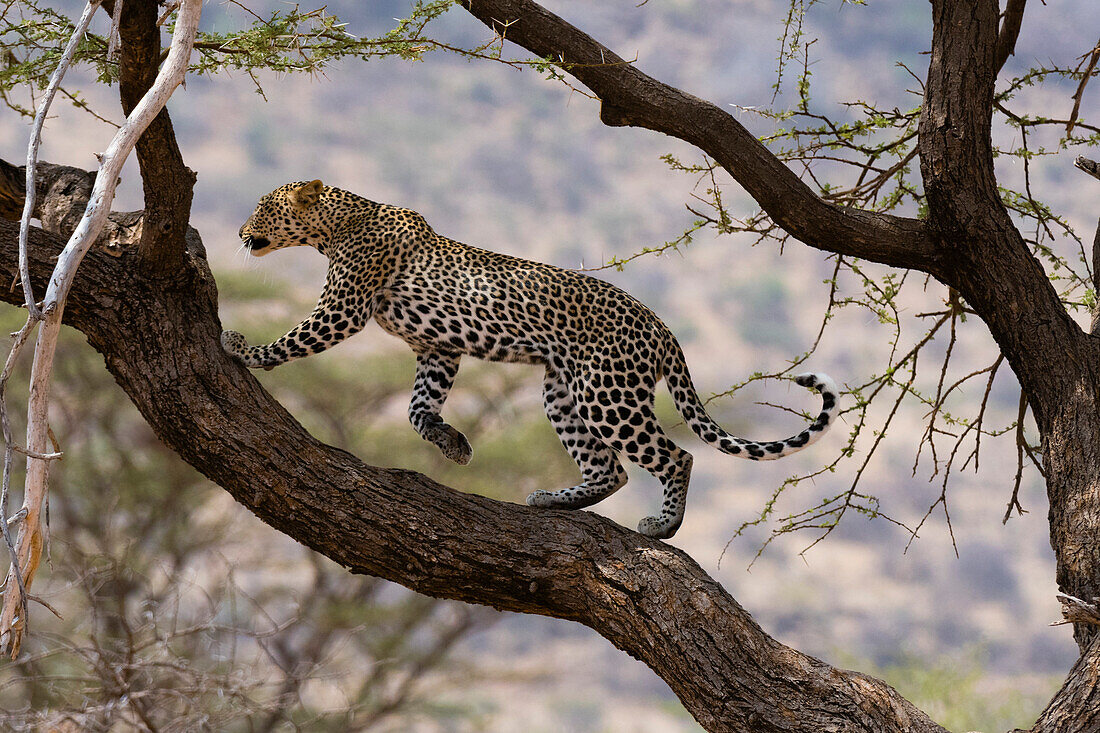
(288,40)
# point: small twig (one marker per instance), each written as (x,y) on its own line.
(35,454)
(1021,446)
(45,604)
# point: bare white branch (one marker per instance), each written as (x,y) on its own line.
(28,547)
(115,38)
(32,151)
(19,341)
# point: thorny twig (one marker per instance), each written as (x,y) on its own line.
(1088,60)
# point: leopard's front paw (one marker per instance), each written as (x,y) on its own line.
(234,344)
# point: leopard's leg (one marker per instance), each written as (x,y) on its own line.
(601,471)
(435,373)
(624,420)
(333,319)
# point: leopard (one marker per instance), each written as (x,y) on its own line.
(602,351)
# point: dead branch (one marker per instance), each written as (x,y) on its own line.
(31,533)
(32,151)
(1075,610)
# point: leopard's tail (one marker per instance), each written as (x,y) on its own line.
(694,413)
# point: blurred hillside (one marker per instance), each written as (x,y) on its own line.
(505,160)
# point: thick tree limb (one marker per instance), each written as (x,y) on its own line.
(985,256)
(1011,20)
(991,265)
(167,183)
(630,97)
(1076,707)
(160,340)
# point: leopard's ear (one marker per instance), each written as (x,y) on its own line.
(306,195)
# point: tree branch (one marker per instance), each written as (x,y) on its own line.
(1076,610)
(1076,707)
(985,256)
(32,151)
(167,183)
(1011,20)
(631,98)
(160,340)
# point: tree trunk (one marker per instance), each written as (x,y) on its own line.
(988,261)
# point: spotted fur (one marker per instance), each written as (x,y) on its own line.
(603,351)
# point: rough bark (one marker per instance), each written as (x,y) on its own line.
(167,183)
(991,266)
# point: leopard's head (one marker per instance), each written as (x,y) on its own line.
(289,216)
